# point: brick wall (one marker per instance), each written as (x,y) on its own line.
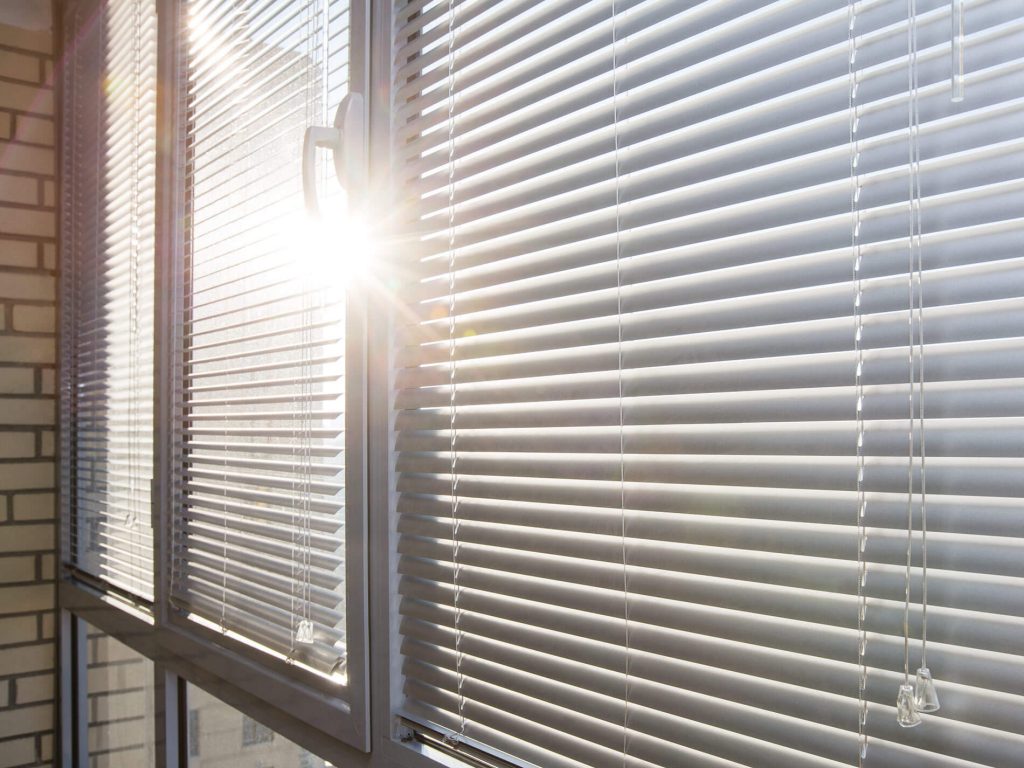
(27,356)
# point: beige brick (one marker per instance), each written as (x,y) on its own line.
(12,569)
(17,253)
(18,752)
(34,506)
(3,318)
(3,507)
(46,747)
(29,222)
(34,688)
(27,287)
(49,194)
(34,130)
(16,722)
(16,381)
(46,443)
(49,256)
(27,476)
(18,629)
(48,621)
(27,349)
(27,98)
(19,189)
(21,599)
(27,538)
(6,122)
(19,66)
(40,41)
(46,567)
(35,319)
(47,380)
(23,157)
(17,445)
(16,411)
(36,657)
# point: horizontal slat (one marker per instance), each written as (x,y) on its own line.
(822,691)
(653,571)
(289,595)
(598,614)
(595,349)
(216,539)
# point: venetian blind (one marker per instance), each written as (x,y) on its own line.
(626,403)
(259,526)
(109,154)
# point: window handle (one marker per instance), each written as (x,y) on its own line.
(345,139)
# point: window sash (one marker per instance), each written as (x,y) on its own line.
(259,525)
(330,721)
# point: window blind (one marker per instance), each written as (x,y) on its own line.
(109,98)
(259,527)
(656,252)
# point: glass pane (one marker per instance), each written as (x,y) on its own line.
(120,689)
(107,313)
(220,736)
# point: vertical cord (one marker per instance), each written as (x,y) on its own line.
(919,280)
(858,342)
(454,739)
(622,429)
(911,66)
(242,15)
(298,429)
(224,526)
(305,390)
(134,464)
(956,43)
(295,438)
(96,516)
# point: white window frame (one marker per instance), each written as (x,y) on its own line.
(294,704)
(342,715)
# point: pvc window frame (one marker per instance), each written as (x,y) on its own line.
(340,712)
(353,733)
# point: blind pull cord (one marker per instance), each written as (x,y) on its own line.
(906,707)
(622,436)
(97,517)
(454,739)
(858,345)
(304,632)
(925,697)
(224,525)
(134,406)
(956,42)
